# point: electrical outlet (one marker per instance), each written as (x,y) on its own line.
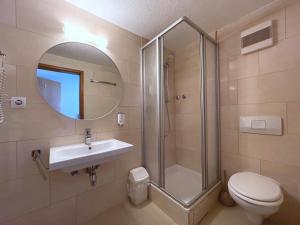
(18,102)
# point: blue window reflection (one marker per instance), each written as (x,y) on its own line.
(69,90)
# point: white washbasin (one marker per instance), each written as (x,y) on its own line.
(74,157)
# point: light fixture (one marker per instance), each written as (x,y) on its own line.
(76,33)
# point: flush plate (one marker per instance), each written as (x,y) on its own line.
(261,125)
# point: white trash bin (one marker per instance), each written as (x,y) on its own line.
(138,185)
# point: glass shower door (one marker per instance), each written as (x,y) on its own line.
(212,131)
(151,126)
(182,114)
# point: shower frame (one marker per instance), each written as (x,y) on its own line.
(159,42)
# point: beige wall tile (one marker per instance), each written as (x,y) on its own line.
(229,117)
(8,12)
(131,95)
(278,109)
(276,87)
(191,104)
(130,71)
(35,121)
(186,81)
(8,164)
(135,117)
(170,154)
(22,47)
(229,140)
(56,12)
(62,213)
(91,203)
(292,20)
(191,140)
(228,92)
(280,149)
(21,196)
(231,45)
(107,123)
(287,176)
(189,158)
(224,68)
(233,163)
(283,56)
(27,84)
(64,185)
(293,117)
(188,122)
(242,66)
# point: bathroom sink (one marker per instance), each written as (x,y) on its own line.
(74,157)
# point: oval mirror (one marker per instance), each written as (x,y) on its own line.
(79,81)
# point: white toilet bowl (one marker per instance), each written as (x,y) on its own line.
(258,195)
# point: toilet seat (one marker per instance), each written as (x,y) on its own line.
(256,189)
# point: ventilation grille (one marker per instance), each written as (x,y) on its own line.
(257,37)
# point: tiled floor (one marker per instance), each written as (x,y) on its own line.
(150,214)
(126,214)
(228,216)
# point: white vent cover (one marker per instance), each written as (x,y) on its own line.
(257,37)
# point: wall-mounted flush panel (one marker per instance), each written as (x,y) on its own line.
(18,102)
(261,125)
(121,119)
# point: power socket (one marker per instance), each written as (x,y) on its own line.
(18,102)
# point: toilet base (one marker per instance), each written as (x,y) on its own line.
(255,218)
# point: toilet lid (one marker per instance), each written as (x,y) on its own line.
(255,186)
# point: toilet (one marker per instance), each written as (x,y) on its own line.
(258,195)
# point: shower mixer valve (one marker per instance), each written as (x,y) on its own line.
(183,96)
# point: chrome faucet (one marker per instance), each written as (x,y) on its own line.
(88,137)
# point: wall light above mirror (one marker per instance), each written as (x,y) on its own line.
(79,81)
(80,34)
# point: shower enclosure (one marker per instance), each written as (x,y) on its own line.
(180,111)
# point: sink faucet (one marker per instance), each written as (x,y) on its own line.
(88,137)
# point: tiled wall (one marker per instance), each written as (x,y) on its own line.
(27,29)
(266,82)
(188,116)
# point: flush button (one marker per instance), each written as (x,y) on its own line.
(258,124)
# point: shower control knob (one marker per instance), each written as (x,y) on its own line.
(183,96)
(177,97)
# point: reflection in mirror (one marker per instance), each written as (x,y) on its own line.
(79,81)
